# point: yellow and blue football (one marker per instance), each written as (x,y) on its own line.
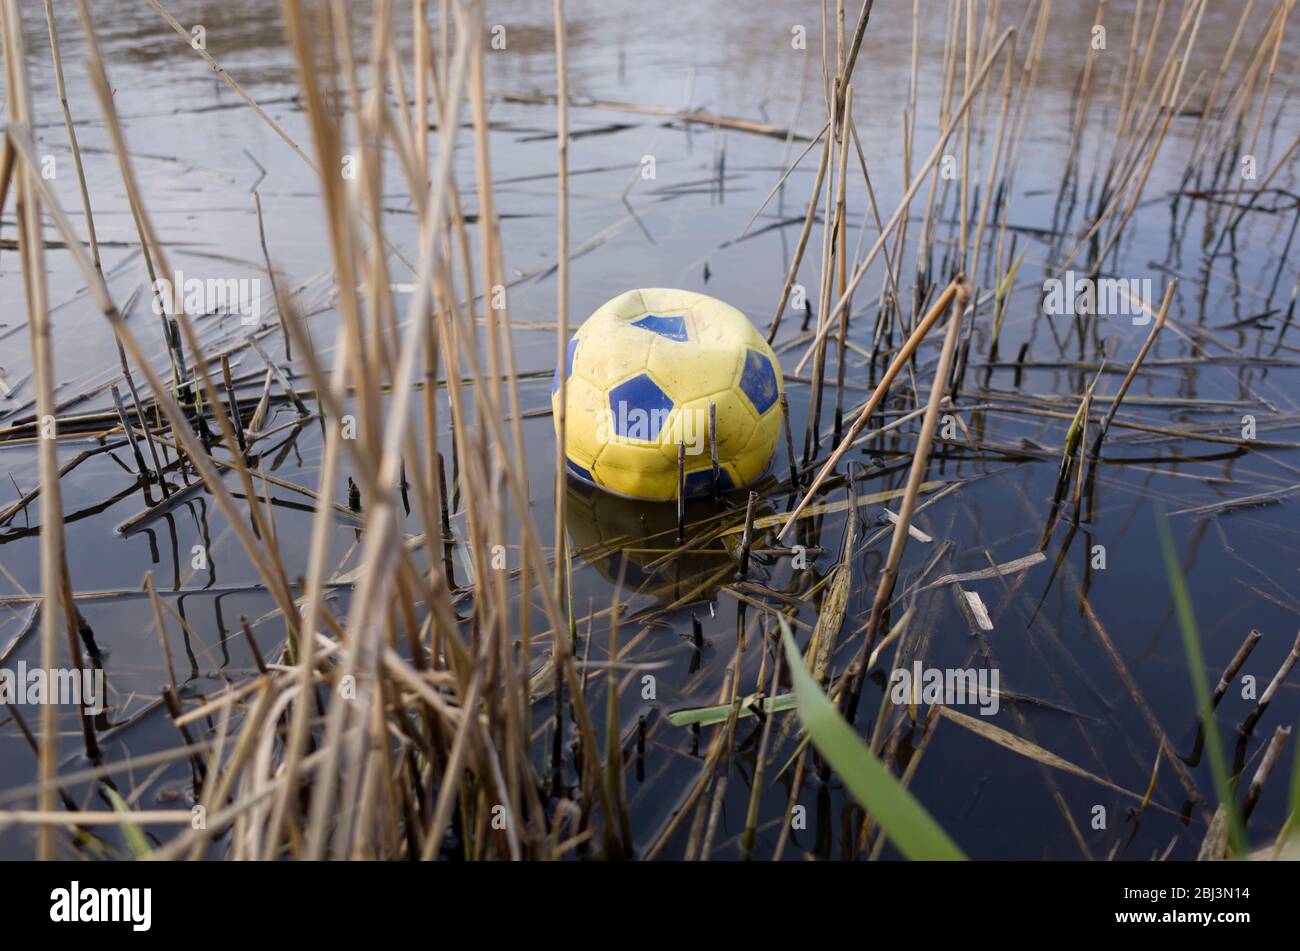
(640,375)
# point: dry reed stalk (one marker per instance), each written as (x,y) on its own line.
(490,416)
(916,474)
(1234,665)
(826,286)
(1132,370)
(28,209)
(501,340)
(449,332)
(1271,690)
(950,293)
(318,549)
(780,182)
(62,93)
(1271,755)
(179,424)
(963,224)
(272,571)
(270,273)
(561,295)
(904,203)
(343,739)
(802,243)
(1194,154)
(141,466)
(161,625)
(238,90)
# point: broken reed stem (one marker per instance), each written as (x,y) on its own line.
(236,423)
(713,451)
(270,273)
(1273,687)
(71,129)
(253,646)
(920,458)
(747,540)
(173,704)
(1083,458)
(954,290)
(802,243)
(141,467)
(681,492)
(1132,370)
(1266,764)
(279,377)
(161,625)
(756,785)
(1234,665)
(789,442)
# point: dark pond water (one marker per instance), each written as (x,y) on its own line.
(200,153)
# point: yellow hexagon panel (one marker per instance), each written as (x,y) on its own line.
(753,460)
(690,423)
(688,370)
(585,421)
(636,471)
(611,352)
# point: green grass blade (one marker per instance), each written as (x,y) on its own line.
(135,839)
(912,830)
(1291,828)
(1200,687)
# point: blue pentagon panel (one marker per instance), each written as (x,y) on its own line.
(758,381)
(578,471)
(700,482)
(674,328)
(568,365)
(639,408)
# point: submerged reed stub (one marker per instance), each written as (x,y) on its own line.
(641,374)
